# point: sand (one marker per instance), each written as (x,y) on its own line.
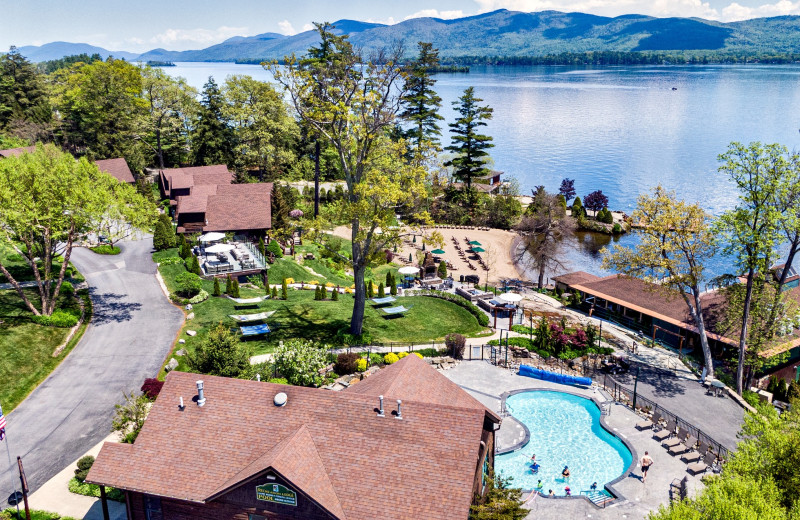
(497,243)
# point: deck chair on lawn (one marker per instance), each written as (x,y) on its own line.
(667,432)
(695,455)
(244,318)
(701,467)
(383,301)
(255,330)
(678,439)
(683,447)
(646,425)
(396,311)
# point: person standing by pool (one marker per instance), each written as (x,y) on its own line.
(647,461)
(593,486)
(550,493)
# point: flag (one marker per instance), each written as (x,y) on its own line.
(2,425)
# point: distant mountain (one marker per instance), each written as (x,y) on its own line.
(57,50)
(498,33)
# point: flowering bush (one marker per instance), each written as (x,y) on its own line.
(313,282)
(361,365)
(296,213)
(390,358)
(289,281)
(401,355)
(152,387)
(330,284)
(300,362)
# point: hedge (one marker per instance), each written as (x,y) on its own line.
(482,317)
(59,318)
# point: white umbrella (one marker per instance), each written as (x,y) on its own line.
(219,248)
(212,237)
(408,270)
(511,297)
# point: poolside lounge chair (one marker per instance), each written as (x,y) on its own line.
(683,447)
(666,433)
(384,300)
(255,330)
(701,467)
(396,311)
(244,318)
(679,488)
(248,301)
(646,425)
(695,455)
(674,441)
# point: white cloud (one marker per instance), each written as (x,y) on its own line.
(181,39)
(387,21)
(735,11)
(435,13)
(134,40)
(285,27)
(308,27)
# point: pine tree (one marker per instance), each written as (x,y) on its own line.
(421,102)
(212,137)
(235,287)
(388,279)
(261,245)
(196,266)
(393,286)
(381,291)
(274,293)
(335,295)
(284,290)
(217,290)
(467,144)
(229,286)
(442,270)
(161,237)
(23,93)
(370,292)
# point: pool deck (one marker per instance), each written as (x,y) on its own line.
(487,383)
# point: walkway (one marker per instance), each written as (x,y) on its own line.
(131,333)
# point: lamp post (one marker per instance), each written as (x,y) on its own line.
(635,382)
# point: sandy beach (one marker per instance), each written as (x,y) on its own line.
(497,244)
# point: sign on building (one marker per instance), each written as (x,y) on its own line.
(277,494)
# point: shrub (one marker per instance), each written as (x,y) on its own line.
(617,229)
(605,216)
(346,363)
(381,290)
(289,280)
(59,318)
(220,354)
(67,288)
(261,245)
(84,465)
(275,248)
(129,417)
(390,358)
(430,352)
(235,288)
(285,289)
(375,359)
(106,249)
(368,289)
(189,284)
(300,362)
(482,318)
(335,295)
(279,381)
(228,285)
(393,287)
(456,343)
(152,387)
(217,290)
(401,355)
(164,233)
(442,270)
(274,293)
(361,365)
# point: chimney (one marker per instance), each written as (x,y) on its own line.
(380,406)
(399,410)
(201,398)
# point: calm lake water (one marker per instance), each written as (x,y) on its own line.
(622,130)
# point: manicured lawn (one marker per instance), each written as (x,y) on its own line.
(26,349)
(11,513)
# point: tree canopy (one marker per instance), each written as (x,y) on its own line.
(468,145)
(421,103)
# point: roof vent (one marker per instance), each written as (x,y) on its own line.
(380,406)
(399,410)
(280,399)
(201,398)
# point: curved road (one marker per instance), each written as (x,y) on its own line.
(131,333)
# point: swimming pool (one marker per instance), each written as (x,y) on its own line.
(565,431)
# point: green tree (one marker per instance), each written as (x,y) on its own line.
(442,270)
(752,230)
(212,137)
(24,105)
(217,290)
(164,234)
(229,286)
(421,103)
(129,417)
(676,241)
(274,293)
(467,144)
(502,502)
(235,288)
(220,354)
(381,291)
(300,362)
(171,104)
(284,290)
(265,133)
(103,111)
(352,103)
(284,200)
(48,201)
(335,295)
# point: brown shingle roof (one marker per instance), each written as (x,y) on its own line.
(240,207)
(117,168)
(577,277)
(13,152)
(369,461)
(180,178)
(197,201)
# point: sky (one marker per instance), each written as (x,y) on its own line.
(194,24)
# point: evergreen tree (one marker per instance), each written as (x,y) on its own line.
(261,245)
(229,286)
(284,290)
(274,293)
(421,103)
(442,270)
(388,278)
(23,97)
(283,201)
(393,287)
(502,502)
(220,354)
(161,238)
(335,295)
(467,144)
(381,291)
(195,263)
(235,288)
(577,208)
(217,290)
(212,137)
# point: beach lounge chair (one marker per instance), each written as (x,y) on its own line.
(646,425)
(248,301)
(255,330)
(674,441)
(244,318)
(701,467)
(396,311)
(383,301)
(695,455)
(683,447)
(666,433)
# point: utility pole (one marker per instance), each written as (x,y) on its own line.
(635,382)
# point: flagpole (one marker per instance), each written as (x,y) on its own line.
(13,481)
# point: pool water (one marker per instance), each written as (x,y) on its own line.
(565,431)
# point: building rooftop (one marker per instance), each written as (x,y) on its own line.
(332,446)
(13,152)
(117,168)
(182,178)
(239,207)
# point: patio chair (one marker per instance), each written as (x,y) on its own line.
(678,439)
(701,467)
(695,455)
(646,425)
(665,433)
(683,447)
(679,488)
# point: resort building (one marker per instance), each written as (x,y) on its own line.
(177,182)
(490,183)
(117,168)
(13,152)
(404,443)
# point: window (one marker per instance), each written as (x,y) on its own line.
(152,508)
(256,517)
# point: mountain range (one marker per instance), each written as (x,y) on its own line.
(498,33)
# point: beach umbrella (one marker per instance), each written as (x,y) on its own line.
(474,243)
(408,270)
(220,248)
(212,237)
(478,250)
(511,297)
(438,251)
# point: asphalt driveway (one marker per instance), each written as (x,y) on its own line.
(130,335)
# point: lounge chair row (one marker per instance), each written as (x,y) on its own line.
(678,441)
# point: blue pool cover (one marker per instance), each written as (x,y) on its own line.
(544,375)
(255,330)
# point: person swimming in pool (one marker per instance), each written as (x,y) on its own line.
(550,493)
(593,486)
(568,491)
(533,458)
(539,484)
(565,473)
(535,468)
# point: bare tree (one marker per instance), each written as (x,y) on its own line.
(542,231)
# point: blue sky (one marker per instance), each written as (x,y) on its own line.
(191,24)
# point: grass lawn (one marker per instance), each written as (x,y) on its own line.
(11,514)
(27,348)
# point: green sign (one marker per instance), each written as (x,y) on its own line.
(276,494)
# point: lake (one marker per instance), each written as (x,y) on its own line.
(622,130)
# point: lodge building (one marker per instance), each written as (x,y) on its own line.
(404,443)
